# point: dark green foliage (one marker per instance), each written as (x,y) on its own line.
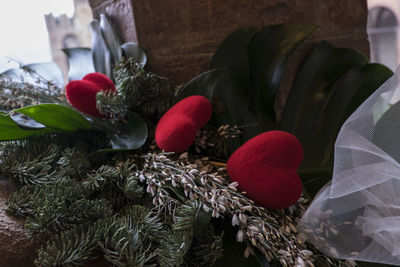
(206,248)
(248,69)
(72,247)
(35,170)
(57,206)
(147,93)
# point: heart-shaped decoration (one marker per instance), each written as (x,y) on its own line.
(176,130)
(81,94)
(266,168)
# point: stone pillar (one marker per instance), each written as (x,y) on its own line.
(180,36)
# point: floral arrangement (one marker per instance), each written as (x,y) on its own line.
(121,166)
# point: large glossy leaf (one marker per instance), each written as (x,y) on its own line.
(9,130)
(131,135)
(311,93)
(232,54)
(57,117)
(268,53)
(100,52)
(80,62)
(111,38)
(348,94)
(204,84)
(133,50)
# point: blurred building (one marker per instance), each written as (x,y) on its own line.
(66,32)
(383,31)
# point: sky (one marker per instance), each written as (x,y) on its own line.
(23,29)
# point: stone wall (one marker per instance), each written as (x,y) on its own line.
(180,36)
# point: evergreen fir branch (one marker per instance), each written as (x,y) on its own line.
(121,178)
(62,205)
(174,248)
(72,247)
(126,241)
(37,170)
(74,162)
(19,203)
(206,248)
(145,93)
(101,178)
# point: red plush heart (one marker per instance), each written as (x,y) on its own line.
(82,94)
(266,168)
(176,130)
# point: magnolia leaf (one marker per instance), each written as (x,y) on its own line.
(111,38)
(9,130)
(310,95)
(269,50)
(57,117)
(204,84)
(232,54)
(132,50)
(131,135)
(101,54)
(80,62)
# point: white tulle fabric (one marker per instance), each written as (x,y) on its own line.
(357,215)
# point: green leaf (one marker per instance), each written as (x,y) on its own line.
(204,84)
(100,52)
(232,54)
(133,50)
(9,130)
(269,50)
(56,117)
(111,38)
(131,135)
(80,62)
(348,94)
(311,93)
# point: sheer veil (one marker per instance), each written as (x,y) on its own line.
(357,215)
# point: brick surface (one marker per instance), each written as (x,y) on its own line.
(180,36)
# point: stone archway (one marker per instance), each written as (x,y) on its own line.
(382,29)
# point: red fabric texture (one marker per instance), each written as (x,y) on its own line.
(266,168)
(176,130)
(82,94)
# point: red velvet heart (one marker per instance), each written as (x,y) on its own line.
(82,94)
(266,168)
(176,130)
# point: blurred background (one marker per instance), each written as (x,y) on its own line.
(36,31)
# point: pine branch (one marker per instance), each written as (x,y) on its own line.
(146,93)
(37,170)
(126,241)
(56,206)
(72,247)
(206,248)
